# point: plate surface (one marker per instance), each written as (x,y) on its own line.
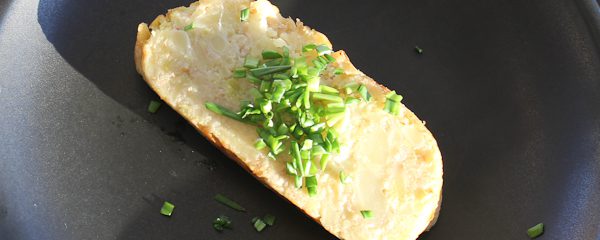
(510,89)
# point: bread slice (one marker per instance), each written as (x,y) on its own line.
(393,162)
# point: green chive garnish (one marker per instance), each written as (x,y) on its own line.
(221,222)
(322,49)
(338,71)
(364,93)
(222,110)
(260,144)
(311,185)
(244,14)
(418,50)
(327,97)
(269,219)
(293,111)
(329,58)
(188,27)
(228,202)
(269,70)
(366,214)
(251,62)
(309,47)
(239,73)
(167,209)
(535,231)
(154,106)
(392,103)
(266,54)
(258,224)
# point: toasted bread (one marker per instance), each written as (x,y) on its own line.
(393,162)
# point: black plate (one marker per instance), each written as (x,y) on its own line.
(511,90)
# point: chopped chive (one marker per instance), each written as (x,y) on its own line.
(269,219)
(244,14)
(329,58)
(328,89)
(260,144)
(222,110)
(392,103)
(154,106)
(366,214)
(418,50)
(269,70)
(188,27)
(323,161)
(167,209)
(228,202)
(327,97)
(251,62)
(364,93)
(338,71)
(311,185)
(351,100)
(393,96)
(308,47)
(289,166)
(239,73)
(266,54)
(298,181)
(322,49)
(258,224)
(323,59)
(535,231)
(221,222)
(313,84)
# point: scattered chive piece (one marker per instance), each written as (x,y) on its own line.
(364,93)
(188,27)
(260,144)
(167,209)
(327,97)
(269,219)
(535,231)
(244,14)
(308,47)
(311,185)
(251,62)
(322,49)
(259,224)
(418,50)
(153,106)
(269,70)
(366,214)
(239,73)
(343,177)
(228,202)
(222,110)
(266,54)
(392,103)
(338,71)
(221,222)
(329,58)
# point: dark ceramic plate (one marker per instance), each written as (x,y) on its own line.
(511,90)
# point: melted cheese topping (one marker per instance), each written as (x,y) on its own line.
(393,162)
